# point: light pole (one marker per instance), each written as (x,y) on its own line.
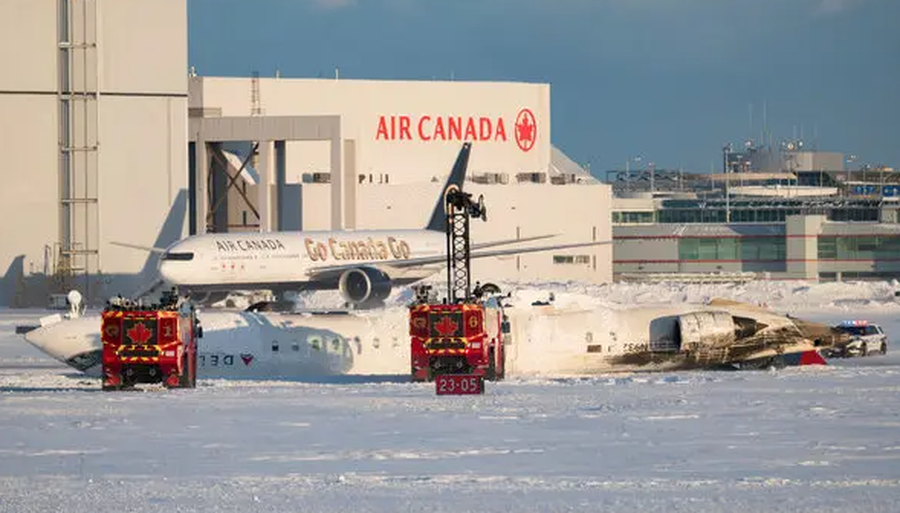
(726,152)
(851,159)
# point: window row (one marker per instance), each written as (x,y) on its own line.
(633,217)
(859,248)
(571,259)
(756,248)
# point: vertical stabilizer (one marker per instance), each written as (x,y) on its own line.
(438,221)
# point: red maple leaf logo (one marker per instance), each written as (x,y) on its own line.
(139,333)
(526,129)
(446,326)
(247,358)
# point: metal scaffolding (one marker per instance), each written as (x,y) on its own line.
(460,208)
(78,95)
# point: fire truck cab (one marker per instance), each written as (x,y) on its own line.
(462,338)
(155,344)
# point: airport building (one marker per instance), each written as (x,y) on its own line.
(93,117)
(788,214)
(363,154)
(110,139)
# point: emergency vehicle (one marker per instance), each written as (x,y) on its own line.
(865,339)
(462,336)
(152,344)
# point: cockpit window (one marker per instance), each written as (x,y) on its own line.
(178,256)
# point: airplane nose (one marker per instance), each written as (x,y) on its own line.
(75,342)
(165,271)
(42,338)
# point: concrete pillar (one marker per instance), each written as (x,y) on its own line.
(337,184)
(219,193)
(350,184)
(802,246)
(264,188)
(201,194)
(280,171)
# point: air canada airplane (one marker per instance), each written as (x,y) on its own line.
(545,341)
(363,265)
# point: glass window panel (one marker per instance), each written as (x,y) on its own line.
(846,247)
(707,249)
(827,248)
(750,249)
(727,249)
(688,249)
(867,244)
(768,248)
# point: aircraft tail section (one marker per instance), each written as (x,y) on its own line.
(457,176)
(9,281)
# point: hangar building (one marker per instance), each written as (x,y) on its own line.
(93,124)
(393,144)
(109,139)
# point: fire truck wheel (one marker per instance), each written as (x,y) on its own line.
(502,373)
(194,371)
(414,379)
(184,381)
(491,374)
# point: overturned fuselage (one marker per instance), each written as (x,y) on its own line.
(545,340)
(720,334)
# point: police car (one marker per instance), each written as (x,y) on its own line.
(865,339)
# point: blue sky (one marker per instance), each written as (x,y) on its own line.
(670,81)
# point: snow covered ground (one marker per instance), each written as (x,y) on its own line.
(799,439)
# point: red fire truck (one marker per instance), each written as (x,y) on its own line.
(459,340)
(149,345)
(462,338)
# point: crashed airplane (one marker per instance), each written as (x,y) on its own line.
(545,341)
(717,335)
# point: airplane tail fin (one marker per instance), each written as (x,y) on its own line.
(438,221)
(8,281)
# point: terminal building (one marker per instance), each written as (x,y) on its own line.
(112,141)
(781,214)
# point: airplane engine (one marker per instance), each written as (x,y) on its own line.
(706,330)
(364,286)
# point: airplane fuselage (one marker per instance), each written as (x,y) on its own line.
(280,260)
(544,341)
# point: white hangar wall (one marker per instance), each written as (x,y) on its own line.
(406,131)
(400,139)
(93,139)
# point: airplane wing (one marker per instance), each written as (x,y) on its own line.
(324,271)
(150,249)
(505,242)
